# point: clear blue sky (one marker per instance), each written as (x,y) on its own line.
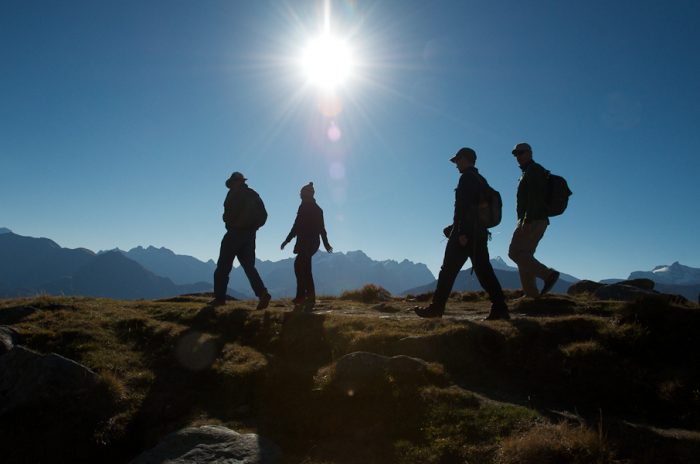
(121,120)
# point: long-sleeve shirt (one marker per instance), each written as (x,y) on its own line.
(466,203)
(532,194)
(308,227)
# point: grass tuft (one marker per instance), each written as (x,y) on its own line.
(370,293)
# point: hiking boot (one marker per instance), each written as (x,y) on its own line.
(499,312)
(549,282)
(264,301)
(217,302)
(429,312)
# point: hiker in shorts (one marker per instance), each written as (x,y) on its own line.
(308,227)
(532,223)
(467,238)
(244,214)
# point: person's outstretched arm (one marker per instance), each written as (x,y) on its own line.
(293,232)
(324,236)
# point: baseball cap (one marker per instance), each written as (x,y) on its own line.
(522,146)
(464,152)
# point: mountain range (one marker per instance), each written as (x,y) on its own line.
(31,265)
(507,275)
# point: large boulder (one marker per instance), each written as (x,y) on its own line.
(52,409)
(362,371)
(584,286)
(27,377)
(621,292)
(8,339)
(644,284)
(211,444)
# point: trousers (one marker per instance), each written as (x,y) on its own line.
(455,257)
(237,244)
(522,249)
(305,279)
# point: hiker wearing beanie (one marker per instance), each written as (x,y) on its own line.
(307,228)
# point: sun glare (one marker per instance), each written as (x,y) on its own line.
(327,62)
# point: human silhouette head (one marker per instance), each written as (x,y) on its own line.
(522,153)
(307,192)
(235,181)
(464,158)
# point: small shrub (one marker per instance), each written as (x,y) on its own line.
(370,293)
(553,444)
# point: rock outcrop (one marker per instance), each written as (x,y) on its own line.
(211,444)
(627,290)
(27,378)
(361,371)
(8,339)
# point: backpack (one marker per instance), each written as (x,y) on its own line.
(253,214)
(558,194)
(259,213)
(490,206)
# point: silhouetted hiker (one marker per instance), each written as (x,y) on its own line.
(532,223)
(307,228)
(244,214)
(467,238)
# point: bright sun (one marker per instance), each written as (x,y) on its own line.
(327,62)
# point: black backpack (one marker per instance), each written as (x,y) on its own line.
(558,194)
(259,215)
(490,206)
(253,214)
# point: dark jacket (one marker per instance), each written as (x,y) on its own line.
(307,228)
(242,208)
(467,192)
(532,194)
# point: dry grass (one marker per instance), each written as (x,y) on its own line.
(172,363)
(369,293)
(555,444)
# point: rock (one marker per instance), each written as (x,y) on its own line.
(362,371)
(15,314)
(211,444)
(8,339)
(620,292)
(644,284)
(584,286)
(52,409)
(28,378)
(406,368)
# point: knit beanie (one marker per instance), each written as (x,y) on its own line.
(308,190)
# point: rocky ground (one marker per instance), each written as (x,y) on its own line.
(568,379)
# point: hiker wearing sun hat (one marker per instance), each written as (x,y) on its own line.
(308,227)
(244,214)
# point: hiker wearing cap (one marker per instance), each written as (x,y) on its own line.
(308,227)
(532,223)
(467,238)
(244,214)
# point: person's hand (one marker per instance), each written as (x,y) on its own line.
(463,240)
(329,248)
(284,244)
